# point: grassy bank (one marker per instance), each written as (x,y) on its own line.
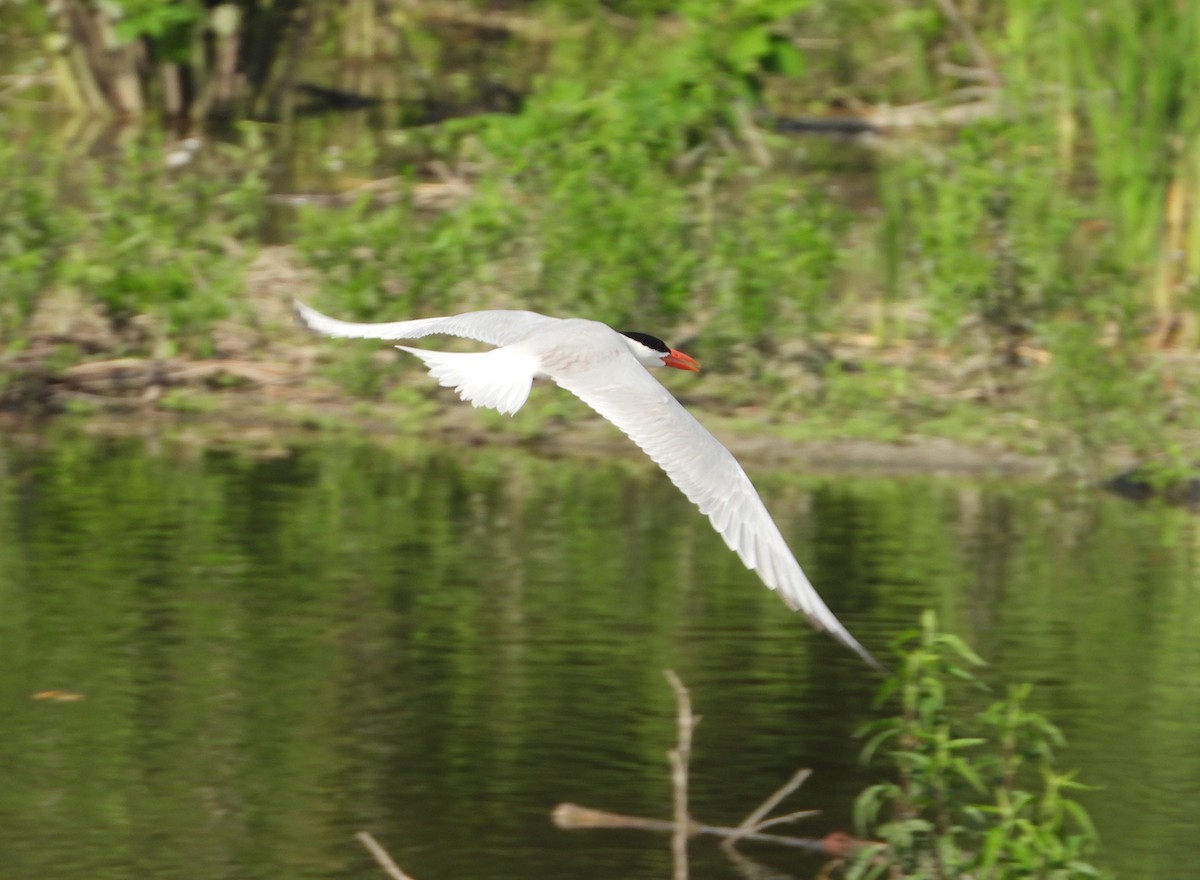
(1006,257)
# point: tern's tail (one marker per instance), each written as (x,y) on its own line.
(500,378)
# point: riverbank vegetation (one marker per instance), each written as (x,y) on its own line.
(913,218)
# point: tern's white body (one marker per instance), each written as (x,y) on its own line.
(607,371)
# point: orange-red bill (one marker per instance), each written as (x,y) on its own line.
(681,361)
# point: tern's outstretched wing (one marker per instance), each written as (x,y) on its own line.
(495,327)
(590,361)
(707,473)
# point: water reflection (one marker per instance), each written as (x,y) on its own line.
(438,647)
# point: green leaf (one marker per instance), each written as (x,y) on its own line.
(960,647)
(886,690)
(967,772)
(786,58)
(748,48)
(1019,801)
(965,742)
(875,742)
(1081,817)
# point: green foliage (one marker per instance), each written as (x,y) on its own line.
(1145,53)
(1128,79)
(169,23)
(34,232)
(621,246)
(138,239)
(971,800)
(652,95)
(605,197)
(774,254)
(989,235)
(360,372)
(742,41)
(611,236)
(170,243)
(397,260)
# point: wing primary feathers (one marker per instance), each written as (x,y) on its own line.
(709,476)
(494,327)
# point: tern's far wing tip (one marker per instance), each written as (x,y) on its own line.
(834,627)
(305,314)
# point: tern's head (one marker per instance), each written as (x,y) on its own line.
(653,352)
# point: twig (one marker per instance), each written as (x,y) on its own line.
(381,856)
(752,822)
(785,819)
(679,756)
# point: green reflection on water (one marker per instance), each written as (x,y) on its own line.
(440,646)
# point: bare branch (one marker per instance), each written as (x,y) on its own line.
(786,818)
(750,823)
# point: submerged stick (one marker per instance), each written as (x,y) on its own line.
(679,756)
(572,816)
(381,856)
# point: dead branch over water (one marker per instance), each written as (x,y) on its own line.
(682,826)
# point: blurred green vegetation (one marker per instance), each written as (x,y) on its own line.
(161,254)
(1035,252)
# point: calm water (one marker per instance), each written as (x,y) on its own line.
(438,646)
